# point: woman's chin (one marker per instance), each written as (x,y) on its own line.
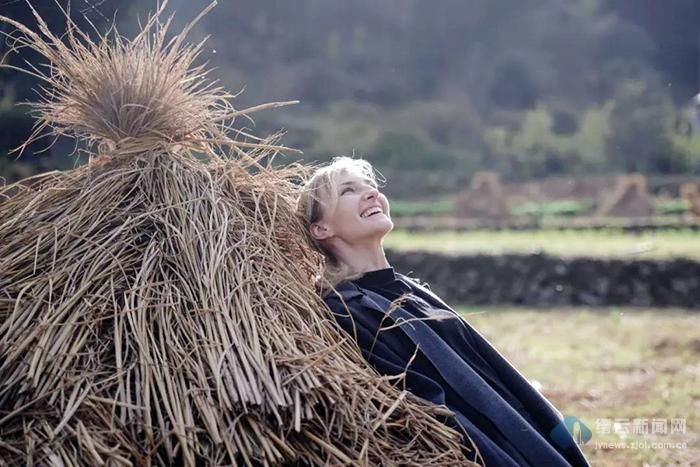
(385,226)
(379,226)
(390,224)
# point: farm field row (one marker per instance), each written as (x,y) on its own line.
(607,368)
(611,243)
(567,208)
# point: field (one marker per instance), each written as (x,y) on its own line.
(611,243)
(610,366)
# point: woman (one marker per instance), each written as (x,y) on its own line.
(402,328)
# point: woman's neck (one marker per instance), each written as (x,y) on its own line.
(362,259)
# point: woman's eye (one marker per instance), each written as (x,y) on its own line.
(345,190)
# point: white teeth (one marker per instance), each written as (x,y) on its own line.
(371,211)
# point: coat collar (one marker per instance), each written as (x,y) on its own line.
(350,291)
(425,293)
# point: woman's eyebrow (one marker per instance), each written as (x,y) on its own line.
(368,181)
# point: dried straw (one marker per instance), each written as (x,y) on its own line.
(157,307)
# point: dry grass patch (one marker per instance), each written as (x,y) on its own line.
(609,364)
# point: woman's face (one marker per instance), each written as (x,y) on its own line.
(357,213)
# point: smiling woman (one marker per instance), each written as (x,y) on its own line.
(405,331)
(347,218)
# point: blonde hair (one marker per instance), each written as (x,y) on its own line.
(311,205)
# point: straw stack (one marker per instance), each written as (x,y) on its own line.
(485,199)
(691,194)
(630,198)
(156,305)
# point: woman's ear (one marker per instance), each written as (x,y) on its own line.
(320,231)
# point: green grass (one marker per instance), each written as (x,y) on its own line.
(589,243)
(557,209)
(563,208)
(673,207)
(446,207)
(609,364)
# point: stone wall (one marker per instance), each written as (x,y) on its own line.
(542,281)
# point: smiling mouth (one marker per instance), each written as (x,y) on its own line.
(371,212)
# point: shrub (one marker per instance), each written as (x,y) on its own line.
(564,208)
(673,207)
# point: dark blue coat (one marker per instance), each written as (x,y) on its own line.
(510,428)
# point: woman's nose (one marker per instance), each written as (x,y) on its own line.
(371,193)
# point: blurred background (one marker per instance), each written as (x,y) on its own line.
(431,94)
(542,158)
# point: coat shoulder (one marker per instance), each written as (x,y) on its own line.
(342,292)
(415,280)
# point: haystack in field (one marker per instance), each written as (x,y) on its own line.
(690,193)
(629,199)
(157,308)
(484,200)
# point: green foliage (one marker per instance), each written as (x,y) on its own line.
(346,128)
(565,208)
(537,148)
(398,142)
(686,151)
(640,122)
(406,151)
(673,207)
